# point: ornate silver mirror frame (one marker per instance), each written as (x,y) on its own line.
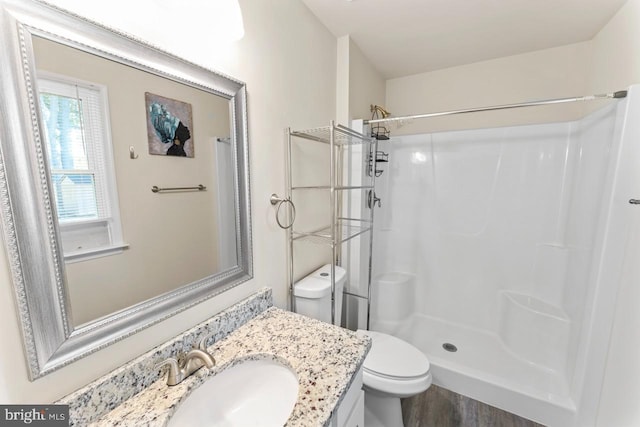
(30,230)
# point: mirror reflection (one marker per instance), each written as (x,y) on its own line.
(113,132)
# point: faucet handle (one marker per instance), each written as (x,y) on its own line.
(174,375)
(202,344)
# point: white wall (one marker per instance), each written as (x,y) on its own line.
(615,60)
(359,83)
(288,60)
(616,65)
(549,73)
(366,84)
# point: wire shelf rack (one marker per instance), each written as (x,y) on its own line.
(341,136)
(346,221)
(323,235)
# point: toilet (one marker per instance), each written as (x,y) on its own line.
(313,294)
(392,370)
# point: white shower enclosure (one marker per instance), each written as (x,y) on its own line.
(506,245)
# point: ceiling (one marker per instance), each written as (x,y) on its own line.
(404,37)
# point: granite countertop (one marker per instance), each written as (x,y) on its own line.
(324,357)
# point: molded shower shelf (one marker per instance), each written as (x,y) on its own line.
(323,236)
(342,136)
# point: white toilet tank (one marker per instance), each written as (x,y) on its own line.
(313,294)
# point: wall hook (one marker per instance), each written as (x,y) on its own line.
(132,153)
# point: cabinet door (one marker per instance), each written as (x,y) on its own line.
(356,418)
(352,402)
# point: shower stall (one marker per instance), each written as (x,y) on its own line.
(504,248)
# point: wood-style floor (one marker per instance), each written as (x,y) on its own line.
(438,407)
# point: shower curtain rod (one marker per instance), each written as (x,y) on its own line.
(618,94)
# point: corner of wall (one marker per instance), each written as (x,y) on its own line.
(366,84)
(616,63)
(342,80)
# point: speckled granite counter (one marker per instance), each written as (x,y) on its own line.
(325,359)
(97,398)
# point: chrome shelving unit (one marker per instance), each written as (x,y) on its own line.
(340,228)
(323,236)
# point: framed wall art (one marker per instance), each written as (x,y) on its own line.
(169,126)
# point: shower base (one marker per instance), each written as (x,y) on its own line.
(484,369)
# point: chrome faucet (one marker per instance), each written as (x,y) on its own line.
(192,361)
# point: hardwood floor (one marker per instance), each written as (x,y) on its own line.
(438,407)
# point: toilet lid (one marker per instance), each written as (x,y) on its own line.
(392,357)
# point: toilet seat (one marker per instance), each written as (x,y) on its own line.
(394,366)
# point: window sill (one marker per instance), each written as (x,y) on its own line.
(87,254)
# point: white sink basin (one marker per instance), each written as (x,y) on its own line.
(257,393)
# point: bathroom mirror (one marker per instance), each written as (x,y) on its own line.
(124,182)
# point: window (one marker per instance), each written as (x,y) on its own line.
(78,143)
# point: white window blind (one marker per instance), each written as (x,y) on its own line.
(75,123)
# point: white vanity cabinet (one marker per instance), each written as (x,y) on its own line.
(350,413)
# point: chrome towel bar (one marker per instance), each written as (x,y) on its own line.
(157,189)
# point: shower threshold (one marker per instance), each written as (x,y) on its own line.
(484,369)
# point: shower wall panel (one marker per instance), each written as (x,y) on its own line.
(592,152)
(479,214)
(466,212)
(501,232)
